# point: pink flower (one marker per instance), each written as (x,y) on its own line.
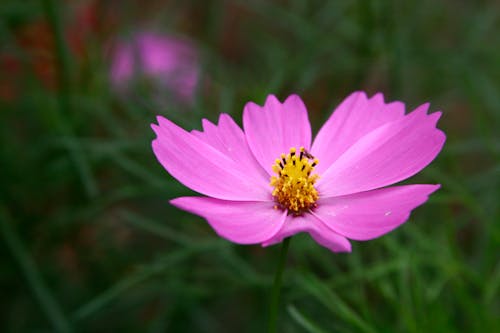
(171,61)
(269,182)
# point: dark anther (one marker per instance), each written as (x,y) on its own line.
(308,155)
(303,167)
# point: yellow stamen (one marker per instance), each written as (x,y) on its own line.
(294,186)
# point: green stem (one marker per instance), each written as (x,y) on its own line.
(64,88)
(275,293)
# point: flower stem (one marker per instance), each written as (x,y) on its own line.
(275,293)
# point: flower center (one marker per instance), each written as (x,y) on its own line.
(294,185)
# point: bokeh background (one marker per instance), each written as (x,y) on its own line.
(88,241)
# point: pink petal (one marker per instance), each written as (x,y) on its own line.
(229,139)
(386,155)
(203,168)
(240,222)
(274,128)
(316,228)
(171,60)
(368,215)
(355,117)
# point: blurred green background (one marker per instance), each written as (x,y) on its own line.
(89,242)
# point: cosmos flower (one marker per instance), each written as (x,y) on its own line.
(269,182)
(170,62)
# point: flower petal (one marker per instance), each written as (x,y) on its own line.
(240,222)
(368,215)
(386,155)
(203,168)
(316,228)
(274,128)
(356,116)
(230,140)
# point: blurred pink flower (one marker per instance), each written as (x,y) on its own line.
(262,186)
(171,61)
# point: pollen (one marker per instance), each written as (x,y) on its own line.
(294,181)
